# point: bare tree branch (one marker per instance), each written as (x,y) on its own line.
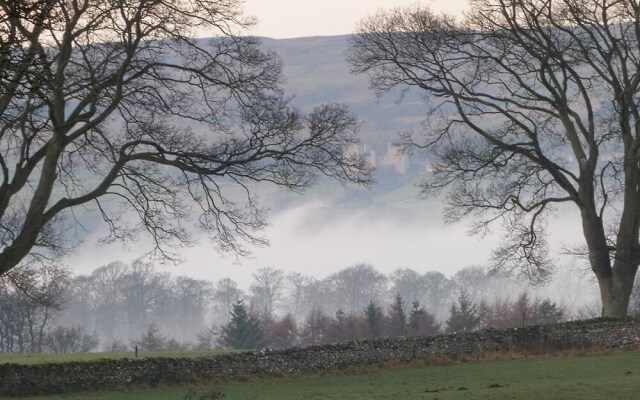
(534,103)
(115,104)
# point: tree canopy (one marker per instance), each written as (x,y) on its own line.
(532,104)
(114,105)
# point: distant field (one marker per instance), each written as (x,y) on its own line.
(613,376)
(62,358)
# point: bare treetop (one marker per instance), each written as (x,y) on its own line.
(537,105)
(114,104)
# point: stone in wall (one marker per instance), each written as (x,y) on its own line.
(25,380)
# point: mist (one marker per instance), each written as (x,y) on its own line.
(321,236)
(330,226)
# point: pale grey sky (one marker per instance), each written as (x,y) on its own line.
(297,18)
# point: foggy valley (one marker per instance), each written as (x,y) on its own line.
(332,226)
(366,199)
(315,239)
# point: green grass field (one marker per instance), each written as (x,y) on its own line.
(591,377)
(62,358)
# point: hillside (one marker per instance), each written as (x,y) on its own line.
(316,71)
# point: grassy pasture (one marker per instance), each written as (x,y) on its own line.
(587,377)
(27,359)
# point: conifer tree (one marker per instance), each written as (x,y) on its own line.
(549,312)
(374,316)
(465,318)
(151,339)
(242,331)
(397,317)
(421,323)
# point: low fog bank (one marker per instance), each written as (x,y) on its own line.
(332,227)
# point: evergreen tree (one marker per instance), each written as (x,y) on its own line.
(374,316)
(549,312)
(465,318)
(242,331)
(421,323)
(397,318)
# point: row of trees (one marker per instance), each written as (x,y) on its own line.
(124,299)
(118,304)
(247,331)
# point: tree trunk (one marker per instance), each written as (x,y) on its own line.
(614,300)
(615,292)
(616,281)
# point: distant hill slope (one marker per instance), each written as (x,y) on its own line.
(316,72)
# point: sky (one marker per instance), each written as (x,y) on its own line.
(297,18)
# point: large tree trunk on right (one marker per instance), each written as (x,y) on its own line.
(615,275)
(615,271)
(615,293)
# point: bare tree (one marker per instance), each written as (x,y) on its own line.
(535,104)
(30,299)
(70,340)
(316,328)
(439,291)
(266,291)
(408,284)
(473,281)
(113,104)
(357,286)
(80,308)
(190,304)
(319,294)
(225,294)
(297,285)
(282,333)
(108,299)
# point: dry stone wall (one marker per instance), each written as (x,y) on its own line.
(23,380)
